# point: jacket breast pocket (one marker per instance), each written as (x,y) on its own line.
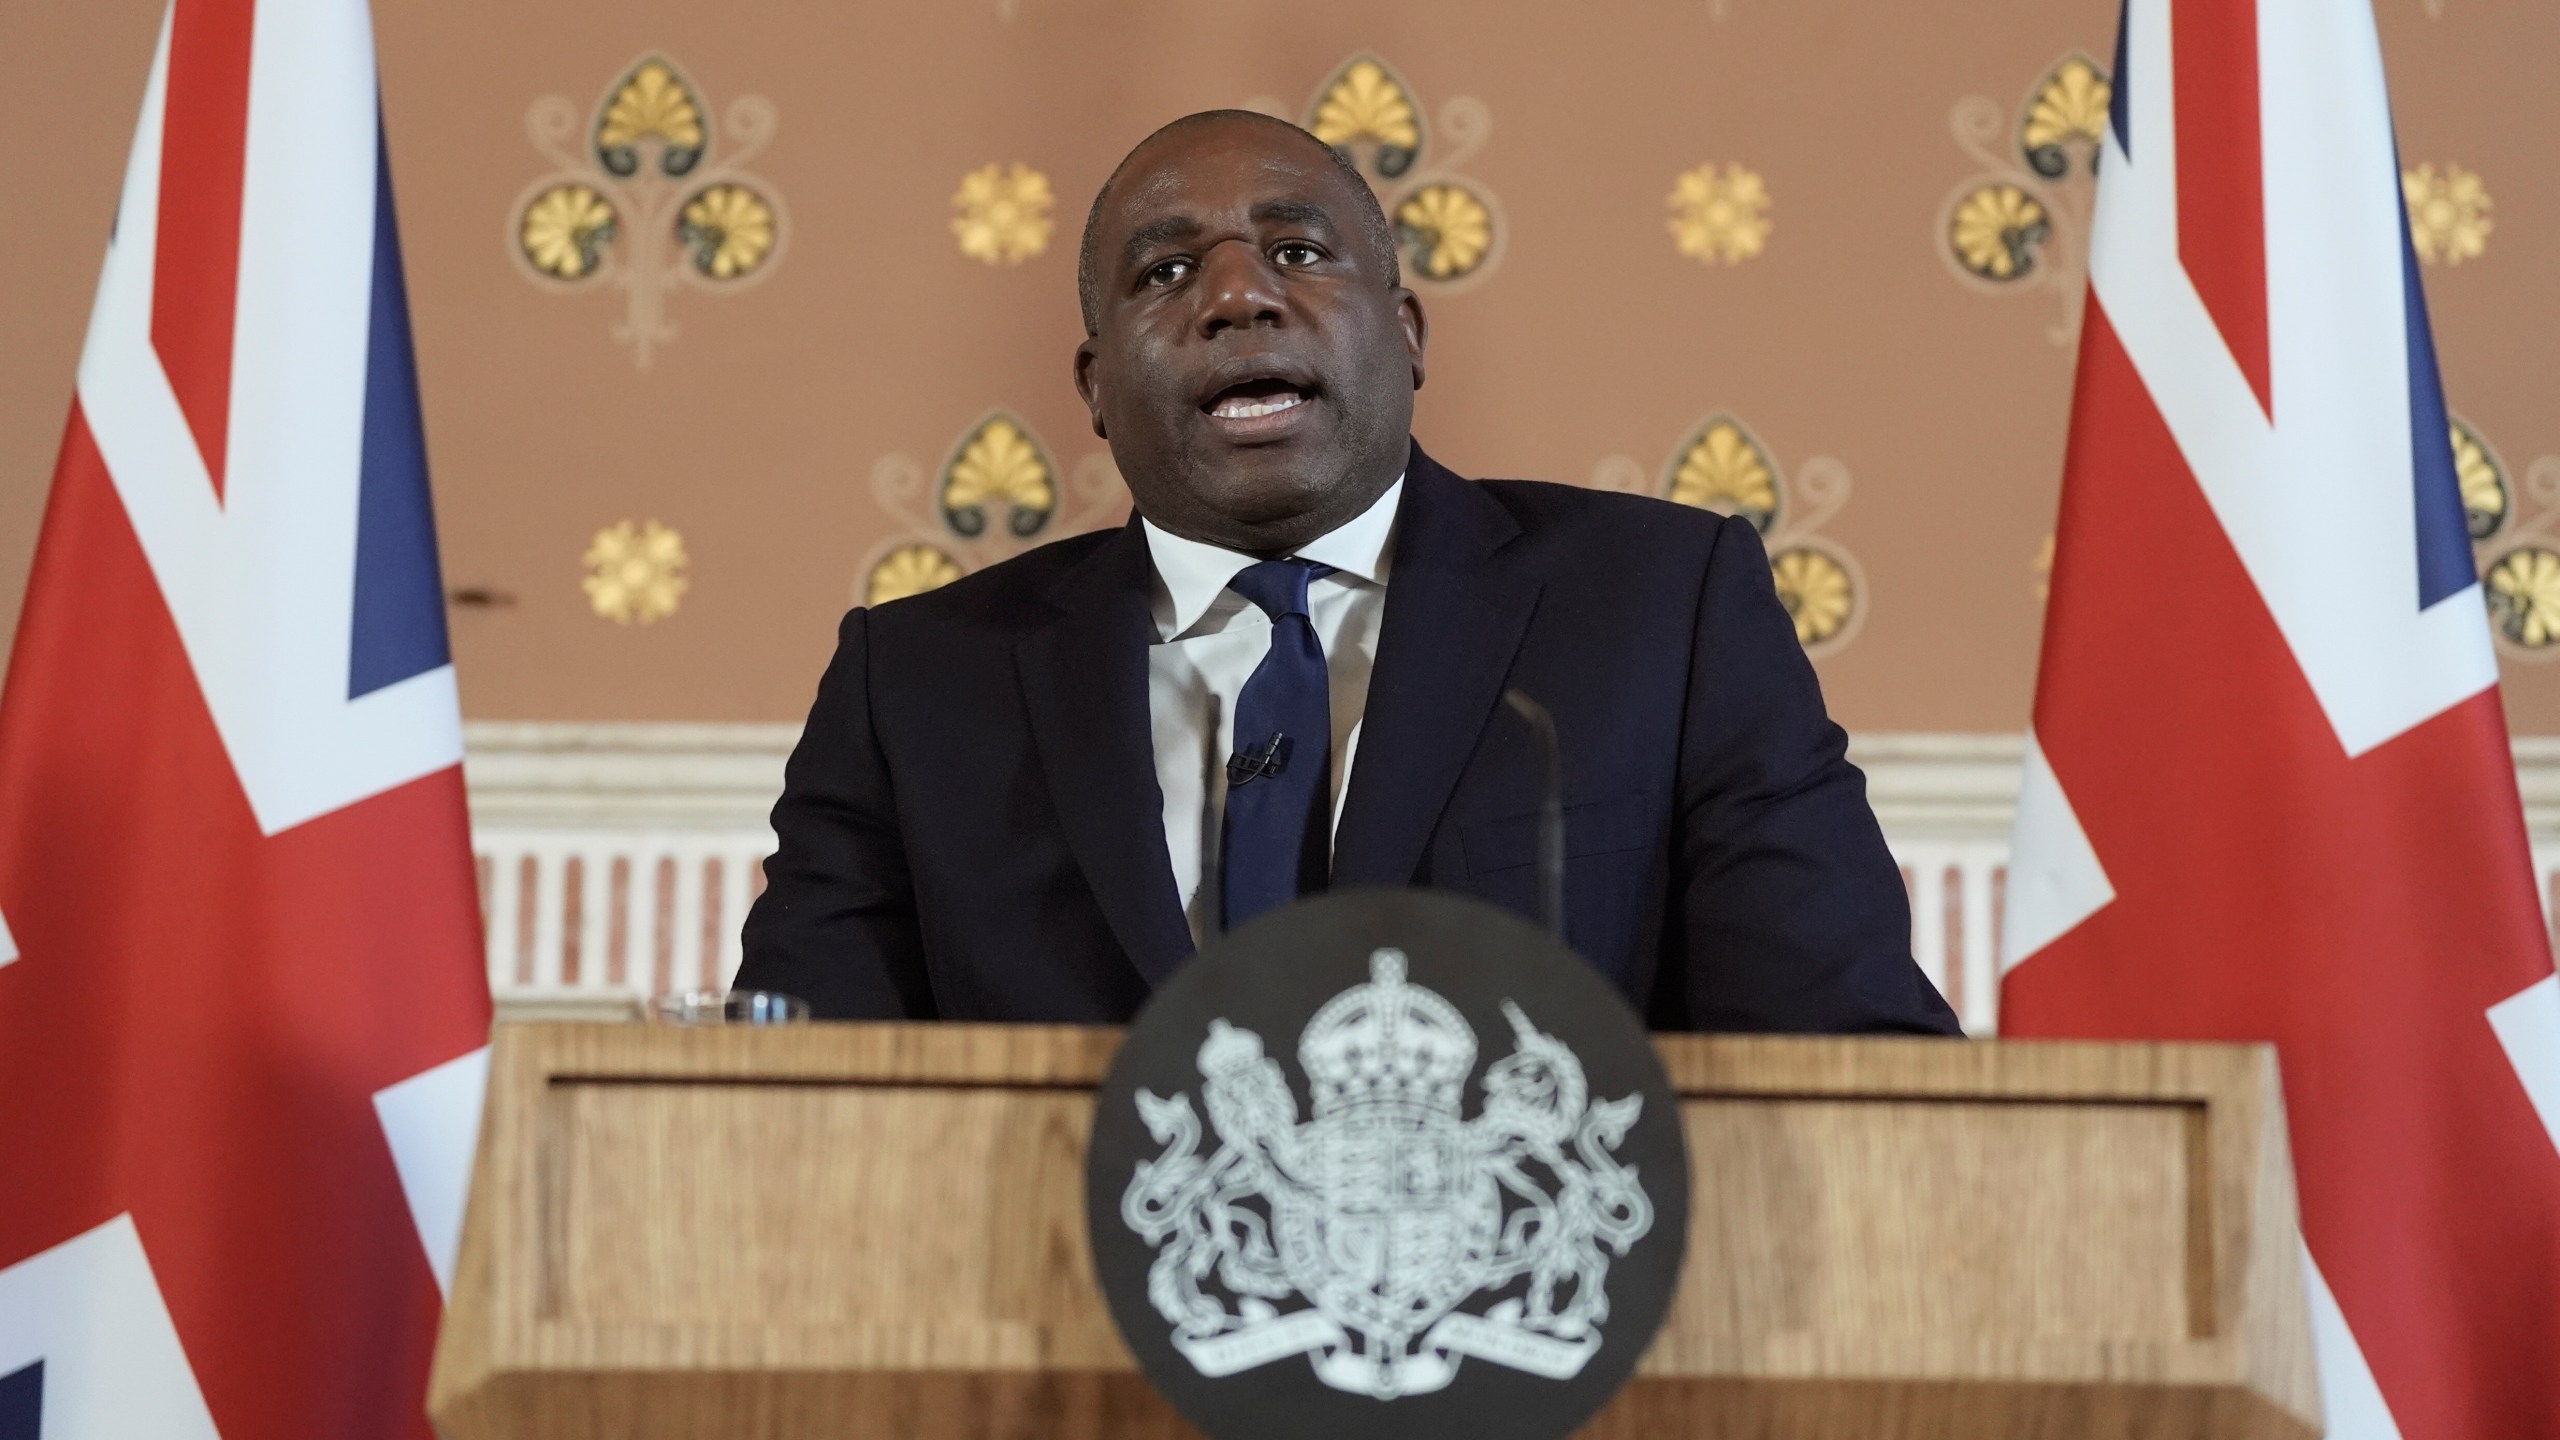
(1591,828)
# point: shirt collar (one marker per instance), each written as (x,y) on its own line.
(1191,575)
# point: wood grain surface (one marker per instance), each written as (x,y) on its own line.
(878,1230)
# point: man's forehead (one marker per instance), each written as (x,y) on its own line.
(1232,166)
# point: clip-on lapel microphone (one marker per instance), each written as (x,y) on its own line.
(1249,764)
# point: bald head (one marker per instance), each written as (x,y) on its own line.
(1375,233)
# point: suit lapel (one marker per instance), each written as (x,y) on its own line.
(1457,605)
(1084,678)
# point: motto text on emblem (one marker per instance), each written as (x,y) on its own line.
(1360,1236)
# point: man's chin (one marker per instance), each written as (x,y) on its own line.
(1233,499)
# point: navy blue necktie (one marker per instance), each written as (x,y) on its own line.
(1279,781)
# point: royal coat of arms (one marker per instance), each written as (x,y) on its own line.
(1388,1237)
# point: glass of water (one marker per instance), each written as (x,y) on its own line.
(729,1007)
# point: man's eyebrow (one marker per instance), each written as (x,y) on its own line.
(1154,233)
(1293,212)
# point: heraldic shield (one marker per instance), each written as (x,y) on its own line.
(1443,1199)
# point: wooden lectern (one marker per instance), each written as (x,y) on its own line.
(878,1231)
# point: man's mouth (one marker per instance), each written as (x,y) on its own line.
(1254,399)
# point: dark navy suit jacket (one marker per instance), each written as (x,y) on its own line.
(971,826)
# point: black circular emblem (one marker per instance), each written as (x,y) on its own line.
(1387,1163)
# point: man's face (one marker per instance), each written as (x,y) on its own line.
(1252,369)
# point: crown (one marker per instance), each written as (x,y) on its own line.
(1387,1045)
(1229,1051)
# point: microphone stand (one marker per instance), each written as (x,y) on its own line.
(1550,810)
(1210,898)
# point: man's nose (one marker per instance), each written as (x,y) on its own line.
(1240,288)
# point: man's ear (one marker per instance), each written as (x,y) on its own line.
(1417,329)
(1089,387)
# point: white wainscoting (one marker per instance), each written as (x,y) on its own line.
(616,861)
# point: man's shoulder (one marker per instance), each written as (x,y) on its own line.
(1576,517)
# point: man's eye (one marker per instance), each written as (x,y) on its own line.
(1166,272)
(1296,252)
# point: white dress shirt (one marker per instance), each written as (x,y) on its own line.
(1210,639)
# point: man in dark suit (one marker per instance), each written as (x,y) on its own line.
(1028,795)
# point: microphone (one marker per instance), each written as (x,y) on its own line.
(1550,809)
(1248,764)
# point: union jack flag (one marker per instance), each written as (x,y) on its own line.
(241,999)
(2269,794)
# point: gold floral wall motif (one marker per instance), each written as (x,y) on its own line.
(1719,217)
(997,493)
(2021,222)
(2523,591)
(635,572)
(1725,467)
(998,463)
(910,569)
(2448,213)
(1449,229)
(643,198)
(2518,553)
(1000,214)
(2487,499)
